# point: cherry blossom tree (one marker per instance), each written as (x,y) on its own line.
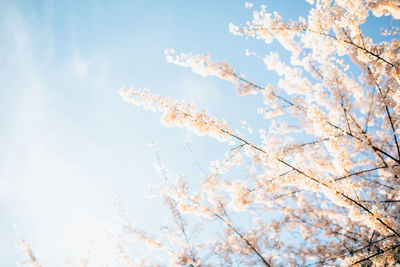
(324,183)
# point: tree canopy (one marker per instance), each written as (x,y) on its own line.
(322,181)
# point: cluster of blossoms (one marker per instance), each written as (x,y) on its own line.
(202,65)
(179,114)
(335,188)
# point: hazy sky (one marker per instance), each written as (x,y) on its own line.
(69,144)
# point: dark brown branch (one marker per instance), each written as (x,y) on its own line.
(376,254)
(354,251)
(353,44)
(344,196)
(345,113)
(375,148)
(320,183)
(280,175)
(360,172)
(304,28)
(287,149)
(390,120)
(260,88)
(251,246)
(382,201)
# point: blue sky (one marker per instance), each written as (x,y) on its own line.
(69,143)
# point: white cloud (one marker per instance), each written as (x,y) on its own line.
(80,67)
(44,188)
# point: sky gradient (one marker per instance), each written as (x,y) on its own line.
(69,144)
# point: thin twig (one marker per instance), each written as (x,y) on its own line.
(251,246)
